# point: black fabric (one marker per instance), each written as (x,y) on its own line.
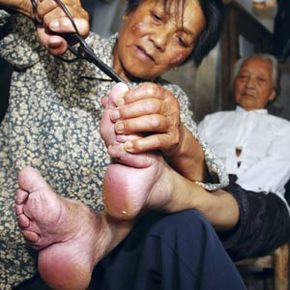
(281,37)
(35,283)
(264,224)
(169,252)
(287,194)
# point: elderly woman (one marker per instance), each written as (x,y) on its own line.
(256,157)
(52,122)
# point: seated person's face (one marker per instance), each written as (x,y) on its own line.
(153,40)
(253,86)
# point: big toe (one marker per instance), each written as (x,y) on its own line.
(116,94)
(21,196)
(29,179)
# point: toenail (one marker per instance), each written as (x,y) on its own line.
(128,146)
(120,100)
(114,115)
(119,127)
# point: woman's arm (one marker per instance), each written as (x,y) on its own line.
(155,114)
(219,207)
(188,157)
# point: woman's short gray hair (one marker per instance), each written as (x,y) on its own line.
(272,59)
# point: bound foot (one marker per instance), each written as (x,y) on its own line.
(71,238)
(132,182)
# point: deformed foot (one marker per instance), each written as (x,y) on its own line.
(128,191)
(71,238)
(133,181)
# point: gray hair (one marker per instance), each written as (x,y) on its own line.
(272,59)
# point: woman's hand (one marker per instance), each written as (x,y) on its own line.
(153,113)
(55,22)
(23,6)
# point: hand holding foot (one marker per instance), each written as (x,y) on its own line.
(60,227)
(131,179)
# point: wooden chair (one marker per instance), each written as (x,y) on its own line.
(278,261)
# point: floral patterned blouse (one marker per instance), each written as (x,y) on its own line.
(52,124)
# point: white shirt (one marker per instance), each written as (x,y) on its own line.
(263,141)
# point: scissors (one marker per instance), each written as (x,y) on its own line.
(83,51)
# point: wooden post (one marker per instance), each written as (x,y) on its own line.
(281,268)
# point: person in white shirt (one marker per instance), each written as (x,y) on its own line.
(254,147)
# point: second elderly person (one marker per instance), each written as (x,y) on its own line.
(254,147)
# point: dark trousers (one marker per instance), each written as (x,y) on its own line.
(179,251)
(264,223)
(281,36)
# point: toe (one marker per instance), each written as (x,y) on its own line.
(21,196)
(18,209)
(23,221)
(30,180)
(117,94)
(32,237)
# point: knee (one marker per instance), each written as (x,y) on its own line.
(185,223)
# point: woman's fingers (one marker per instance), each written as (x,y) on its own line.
(151,123)
(151,112)
(167,105)
(55,44)
(155,132)
(55,22)
(146,90)
(62,24)
(46,6)
(136,109)
(162,142)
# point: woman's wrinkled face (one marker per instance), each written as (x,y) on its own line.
(253,86)
(153,40)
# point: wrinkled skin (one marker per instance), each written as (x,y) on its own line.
(68,224)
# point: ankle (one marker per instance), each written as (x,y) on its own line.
(113,231)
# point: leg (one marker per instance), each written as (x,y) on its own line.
(68,225)
(169,251)
(264,224)
(71,238)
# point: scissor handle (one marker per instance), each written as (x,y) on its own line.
(84,50)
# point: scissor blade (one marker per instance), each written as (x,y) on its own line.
(91,57)
(85,51)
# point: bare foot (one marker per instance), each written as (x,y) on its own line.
(71,238)
(133,181)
